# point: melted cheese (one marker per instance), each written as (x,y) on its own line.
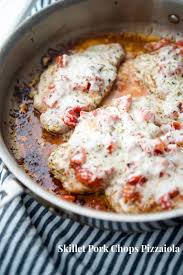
(134,142)
(80,80)
(162,73)
(131,149)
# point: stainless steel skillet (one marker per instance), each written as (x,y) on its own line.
(68,20)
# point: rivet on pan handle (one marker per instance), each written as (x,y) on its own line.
(173,18)
(9,189)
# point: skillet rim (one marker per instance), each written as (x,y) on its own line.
(37,189)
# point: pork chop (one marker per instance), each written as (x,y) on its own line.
(75,83)
(128,150)
(161,71)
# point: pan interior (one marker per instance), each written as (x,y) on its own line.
(26,62)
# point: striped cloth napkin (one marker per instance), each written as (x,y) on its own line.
(31,240)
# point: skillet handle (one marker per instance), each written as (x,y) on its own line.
(9,188)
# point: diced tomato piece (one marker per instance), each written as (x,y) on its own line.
(161,174)
(83,87)
(176,125)
(78,157)
(137,179)
(130,194)
(179,43)
(69,198)
(87,177)
(174,193)
(112,147)
(166,200)
(61,60)
(71,116)
(153,46)
(88,86)
(159,148)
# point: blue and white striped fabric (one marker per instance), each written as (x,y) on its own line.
(41,4)
(30,237)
